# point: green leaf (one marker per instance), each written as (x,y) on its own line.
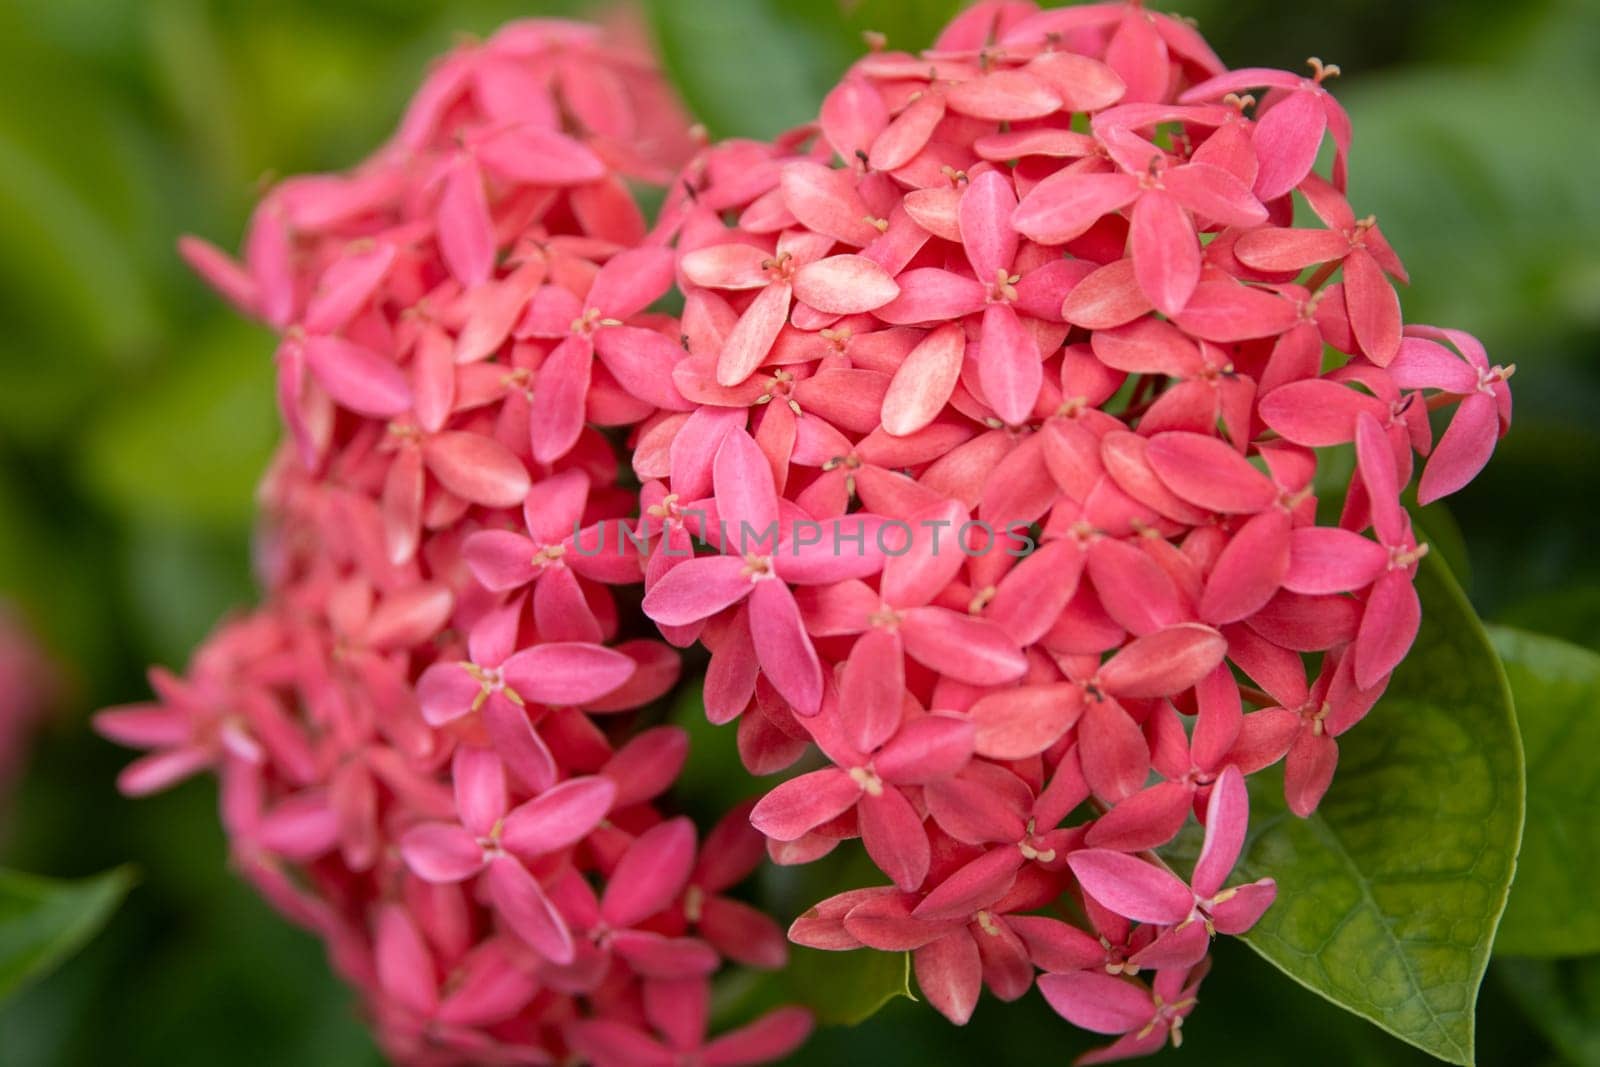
(1555,906)
(847,988)
(745,68)
(1389,895)
(43,921)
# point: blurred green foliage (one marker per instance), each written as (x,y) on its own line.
(135,413)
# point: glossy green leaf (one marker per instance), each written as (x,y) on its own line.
(745,68)
(1389,895)
(847,988)
(43,921)
(1555,906)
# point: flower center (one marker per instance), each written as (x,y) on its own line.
(757,568)
(868,780)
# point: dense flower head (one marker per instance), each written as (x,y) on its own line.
(1045,338)
(994,459)
(428,737)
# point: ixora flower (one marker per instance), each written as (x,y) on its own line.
(984,459)
(424,735)
(1049,277)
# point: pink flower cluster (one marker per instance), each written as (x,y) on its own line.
(445,779)
(984,459)
(1041,290)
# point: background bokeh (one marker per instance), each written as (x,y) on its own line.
(136,413)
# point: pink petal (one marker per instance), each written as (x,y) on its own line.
(652,873)
(844,285)
(1287,138)
(441,853)
(1008,365)
(985,224)
(1227,818)
(1215,195)
(924,381)
(405,969)
(559,395)
(1374,307)
(697,589)
(526,153)
(1464,449)
(747,345)
(1318,412)
(564,673)
(1388,628)
(465,230)
(799,805)
(357,377)
(1163,663)
(976,885)
(1064,206)
(1209,473)
(1022,722)
(767,1040)
(1249,570)
(928,294)
(1131,887)
(523,906)
(480,787)
(562,815)
(1326,559)
(893,836)
(950,975)
(1098,1002)
(642,362)
(1166,252)
(1083,84)
(477,468)
(785,652)
(872,689)
(969,649)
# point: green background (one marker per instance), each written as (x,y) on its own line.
(136,413)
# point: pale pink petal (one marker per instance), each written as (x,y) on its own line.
(1022,722)
(1209,473)
(477,468)
(800,804)
(563,673)
(1464,449)
(1166,252)
(1326,559)
(893,836)
(560,392)
(560,816)
(1287,138)
(357,377)
(651,875)
(523,906)
(1063,206)
(1008,364)
(441,853)
(747,345)
(1132,887)
(1227,818)
(950,975)
(1163,663)
(1374,307)
(466,233)
(786,653)
(1388,627)
(1098,1002)
(924,381)
(697,589)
